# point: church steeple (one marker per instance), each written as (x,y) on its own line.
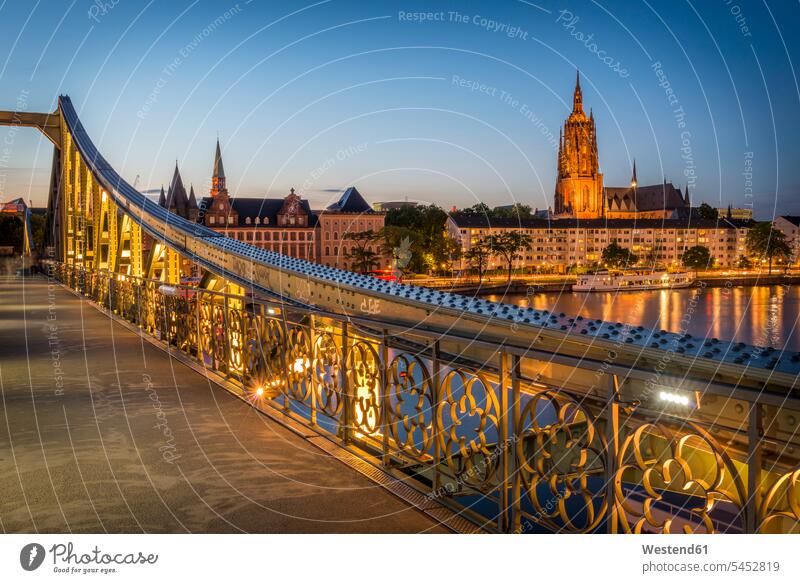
(577,97)
(218,177)
(634,181)
(219,171)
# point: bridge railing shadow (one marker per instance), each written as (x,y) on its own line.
(509,452)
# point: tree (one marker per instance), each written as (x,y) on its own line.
(399,244)
(11,232)
(477,257)
(766,242)
(363,260)
(618,257)
(515,211)
(651,258)
(697,257)
(744,262)
(706,211)
(362,256)
(424,225)
(481,209)
(38,223)
(509,245)
(443,252)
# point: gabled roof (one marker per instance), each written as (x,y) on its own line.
(794,219)
(351,201)
(648,198)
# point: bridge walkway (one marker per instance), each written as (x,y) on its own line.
(102,431)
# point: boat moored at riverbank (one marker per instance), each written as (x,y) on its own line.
(632,281)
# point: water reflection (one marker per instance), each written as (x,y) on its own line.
(765,315)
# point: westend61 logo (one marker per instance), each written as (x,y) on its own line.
(66,560)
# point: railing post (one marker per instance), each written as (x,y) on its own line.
(347,402)
(516,493)
(197,338)
(139,304)
(435,399)
(242,341)
(612,453)
(287,378)
(227,338)
(754,462)
(503,518)
(312,335)
(384,398)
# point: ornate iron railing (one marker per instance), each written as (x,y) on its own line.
(512,454)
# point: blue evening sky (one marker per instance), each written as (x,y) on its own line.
(463,106)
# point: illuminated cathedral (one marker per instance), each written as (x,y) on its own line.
(579,188)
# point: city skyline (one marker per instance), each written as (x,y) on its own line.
(404,100)
(329,267)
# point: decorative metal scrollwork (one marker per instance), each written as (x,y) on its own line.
(671,482)
(154,305)
(327,374)
(298,362)
(410,407)
(263,353)
(561,458)
(780,508)
(205,325)
(171,319)
(467,425)
(219,337)
(234,340)
(364,375)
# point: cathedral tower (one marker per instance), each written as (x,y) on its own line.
(579,187)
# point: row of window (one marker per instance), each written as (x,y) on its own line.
(272,235)
(606,232)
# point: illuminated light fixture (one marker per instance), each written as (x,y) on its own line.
(271,311)
(260,391)
(674,398)
(300,364)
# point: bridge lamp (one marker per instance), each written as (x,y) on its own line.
(674,398)
(260,391)
(271,311)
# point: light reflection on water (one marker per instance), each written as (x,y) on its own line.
(764,315)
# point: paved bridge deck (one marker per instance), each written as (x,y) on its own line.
(102,431)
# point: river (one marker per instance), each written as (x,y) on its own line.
(764,315)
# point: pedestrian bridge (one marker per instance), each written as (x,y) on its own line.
(522,420)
